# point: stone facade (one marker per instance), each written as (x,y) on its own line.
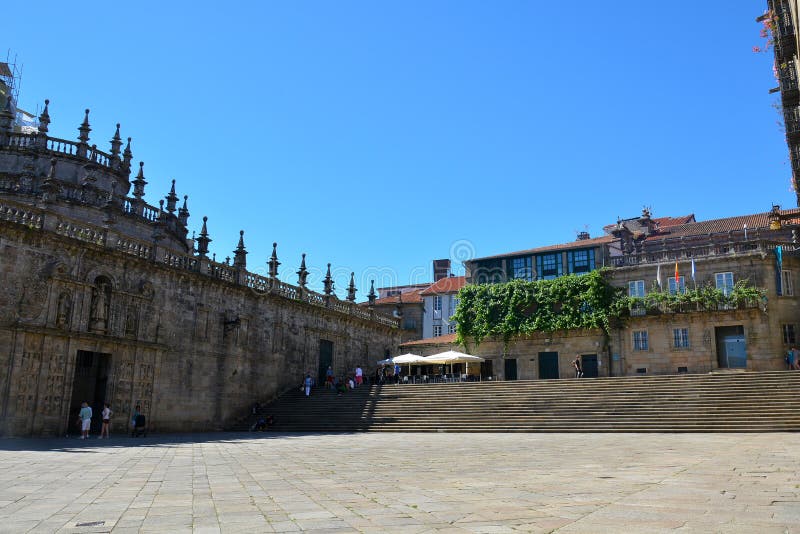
(641,255)
(105,300)
(544,355)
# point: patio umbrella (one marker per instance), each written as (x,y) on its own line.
(451,357)
(404,359)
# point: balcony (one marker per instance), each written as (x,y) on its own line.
(788,78)
(641,309)
(668,251)
(791,118)
(783,32)
(794,156)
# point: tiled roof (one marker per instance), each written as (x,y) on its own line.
(635,224)
(582,243)
(451,284)
(443,340)
(409,297)
(664,222)
(410,287)
(716,226)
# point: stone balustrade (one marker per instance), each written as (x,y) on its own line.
(57,147)
(81,232)
(62,146)
(677,249)
(19,215)
(17,141)
(134,247)
(41,220)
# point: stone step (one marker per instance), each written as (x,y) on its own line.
(685,403)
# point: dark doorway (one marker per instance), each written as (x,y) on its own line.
(548,365)
(486,369)
(325,359)
(510,368)
(90,385)
(731,347)
(589,365)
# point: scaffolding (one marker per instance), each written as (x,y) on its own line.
(10,81)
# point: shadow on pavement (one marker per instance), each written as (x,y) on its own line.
(76,445)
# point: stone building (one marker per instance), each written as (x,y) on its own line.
(780,26)
(409,310)
(441,301)
(414,305)
(106,300)
(643,255)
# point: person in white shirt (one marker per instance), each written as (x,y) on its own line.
(106,420)
(359,376)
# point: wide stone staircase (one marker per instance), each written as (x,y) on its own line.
(719,402)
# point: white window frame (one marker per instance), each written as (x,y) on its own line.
(787,283)
(437,306)
(641,343)
(721,282)
(437,330)
(680,338)
(636,288)
(681,285)
(453,304)
(451,328)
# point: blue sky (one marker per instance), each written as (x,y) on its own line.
(378,136)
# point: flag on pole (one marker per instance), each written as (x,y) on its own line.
(658,275)
(677,278)
(692,268)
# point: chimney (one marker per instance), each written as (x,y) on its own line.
(582,236)
(441,269)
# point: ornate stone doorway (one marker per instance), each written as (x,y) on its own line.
(90,384)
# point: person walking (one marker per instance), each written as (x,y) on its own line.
(329,377)
(578,368)
(106,414)
(307,384)
(359,375)
(794,364)
(86,419)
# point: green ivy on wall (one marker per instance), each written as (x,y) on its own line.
(520,307)
(505,311)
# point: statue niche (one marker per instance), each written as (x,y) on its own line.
(64,311)
(131,321)
(101,300)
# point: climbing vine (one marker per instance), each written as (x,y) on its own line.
(520,307)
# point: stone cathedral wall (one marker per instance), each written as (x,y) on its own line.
(193,350)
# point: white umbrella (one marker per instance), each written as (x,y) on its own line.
(451,357)
(404,359)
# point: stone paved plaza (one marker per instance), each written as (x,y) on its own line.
(403,483)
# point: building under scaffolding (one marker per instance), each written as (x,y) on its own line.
(10,76)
